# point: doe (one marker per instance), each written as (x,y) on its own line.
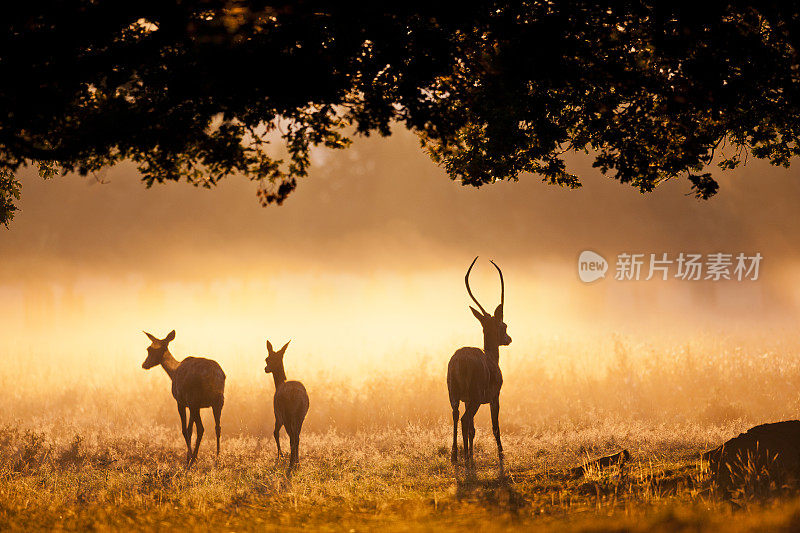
(196,383)
(474,377)
(290,403)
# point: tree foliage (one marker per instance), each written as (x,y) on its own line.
(199,90)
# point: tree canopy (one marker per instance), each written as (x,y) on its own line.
(199,90)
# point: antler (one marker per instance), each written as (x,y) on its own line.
(502,285)
(466,280)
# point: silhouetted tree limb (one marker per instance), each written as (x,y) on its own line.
(199,90)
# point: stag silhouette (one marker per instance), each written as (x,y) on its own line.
(290,403)
(196,383)
(474,377)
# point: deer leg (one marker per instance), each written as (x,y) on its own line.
(277,435)
(217,408)
(454,454)
(495,407)
(294,445)
(184,430)
(465,436)
(188,436)
(198,422)
(467,431)
(472,437)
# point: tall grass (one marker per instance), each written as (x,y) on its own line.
(86,444)
(710,383)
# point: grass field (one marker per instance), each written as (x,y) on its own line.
(398,478)
(87,454)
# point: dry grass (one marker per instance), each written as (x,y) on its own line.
(397,478)
(81,454)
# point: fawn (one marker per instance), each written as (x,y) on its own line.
(290,402)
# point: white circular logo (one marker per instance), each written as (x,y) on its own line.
(591,266)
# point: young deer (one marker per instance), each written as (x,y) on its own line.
(474,377)
(290,402)
(196,383)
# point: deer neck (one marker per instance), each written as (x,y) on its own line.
(279,375)
(491,348)
(169,364)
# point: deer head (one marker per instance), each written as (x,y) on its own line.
(274,359)
(156,351)
(494,329)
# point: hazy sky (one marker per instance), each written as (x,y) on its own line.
(384,204)
(373,246)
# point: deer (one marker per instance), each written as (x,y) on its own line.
(290,403)
(474,377)
(197,383)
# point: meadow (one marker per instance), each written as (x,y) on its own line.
(79,451)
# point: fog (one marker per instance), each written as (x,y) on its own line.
(363,266)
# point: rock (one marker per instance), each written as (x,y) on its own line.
(765,457)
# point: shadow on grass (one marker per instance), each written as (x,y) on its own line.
(495,492)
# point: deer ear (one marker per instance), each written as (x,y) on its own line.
(498,313)
(269,347)
(477,314)
(152,338)
(170,337)
(283,350)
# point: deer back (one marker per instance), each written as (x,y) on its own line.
(198,382)
(473,377)
(291,402)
